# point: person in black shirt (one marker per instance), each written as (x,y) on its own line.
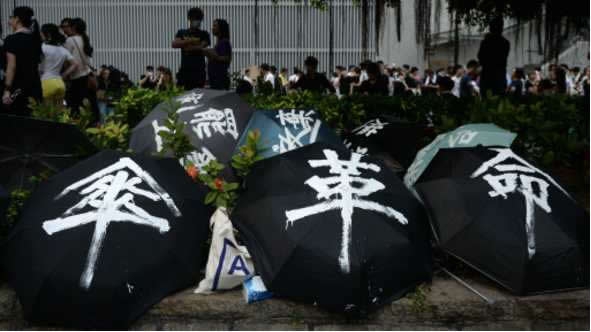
(23,55)
(148,79)
(312,80)
(376,83)
(192,41)
(220,57)
(492,55)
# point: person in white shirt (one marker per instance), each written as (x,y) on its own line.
(268,75)
(457,78)
(293,78)
(57,63)
(247,78)
(80,84)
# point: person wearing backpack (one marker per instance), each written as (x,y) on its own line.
(82,84)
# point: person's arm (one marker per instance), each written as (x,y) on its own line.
(211,54)
(198,46)
(9,77)
(71,66)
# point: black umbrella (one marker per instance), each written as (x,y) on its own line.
(4,201)
(214,122)
(506,218)
(30,146)
(387,135)
(100,243)
(331,227)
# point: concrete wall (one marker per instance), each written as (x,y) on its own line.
(523,38)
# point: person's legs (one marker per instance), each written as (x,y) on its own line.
(54,91)
(76,94)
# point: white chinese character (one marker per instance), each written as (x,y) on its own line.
(199,159)
(192,98)
(343,192)
(301,118)
(370,128)
(221,122)
(358,149)
(109,197)
(291,142)
(157,137)
(534,189)
(463,137)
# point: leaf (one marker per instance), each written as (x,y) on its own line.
(211,197)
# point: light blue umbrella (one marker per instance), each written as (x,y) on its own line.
(286,130)
(486,134)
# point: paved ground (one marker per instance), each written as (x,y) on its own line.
(442,305)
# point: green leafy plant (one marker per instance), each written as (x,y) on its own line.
(553,131)
(112,135)
(248,154)
(174,139)
(136,103)
(222,193)
(18,198)
(51,112)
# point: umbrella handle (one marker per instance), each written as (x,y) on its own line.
(470,288)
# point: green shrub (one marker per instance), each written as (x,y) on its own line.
(112,135)
(136,103)
(552,130)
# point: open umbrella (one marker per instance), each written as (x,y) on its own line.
(470,135)
(387,134)
(30,146)
(508,219)
(101,242)
(286,130)
(4,201)
(335,228)
(214,122)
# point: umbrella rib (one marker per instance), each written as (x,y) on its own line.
(470,288)
(7,159)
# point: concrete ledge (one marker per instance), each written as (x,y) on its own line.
(446,305)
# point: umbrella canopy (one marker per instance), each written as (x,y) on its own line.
(214,122)
(471,135)
(30,146)
(506,218)
(331,227)
(387,134)
(4,201)
(101,242)
(283,130)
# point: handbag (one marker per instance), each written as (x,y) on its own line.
(92,82)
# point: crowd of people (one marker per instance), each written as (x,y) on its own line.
(44,63)
(376,78)
(54,63)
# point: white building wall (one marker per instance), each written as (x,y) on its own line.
(524,51)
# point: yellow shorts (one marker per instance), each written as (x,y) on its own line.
(54,89)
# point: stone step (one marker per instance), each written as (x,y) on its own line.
(442,305)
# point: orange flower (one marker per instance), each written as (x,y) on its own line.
(193,172)
(218,183)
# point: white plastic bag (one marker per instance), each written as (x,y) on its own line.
(228,264)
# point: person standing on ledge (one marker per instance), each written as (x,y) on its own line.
(219,58)
(492,56)
(191,41)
